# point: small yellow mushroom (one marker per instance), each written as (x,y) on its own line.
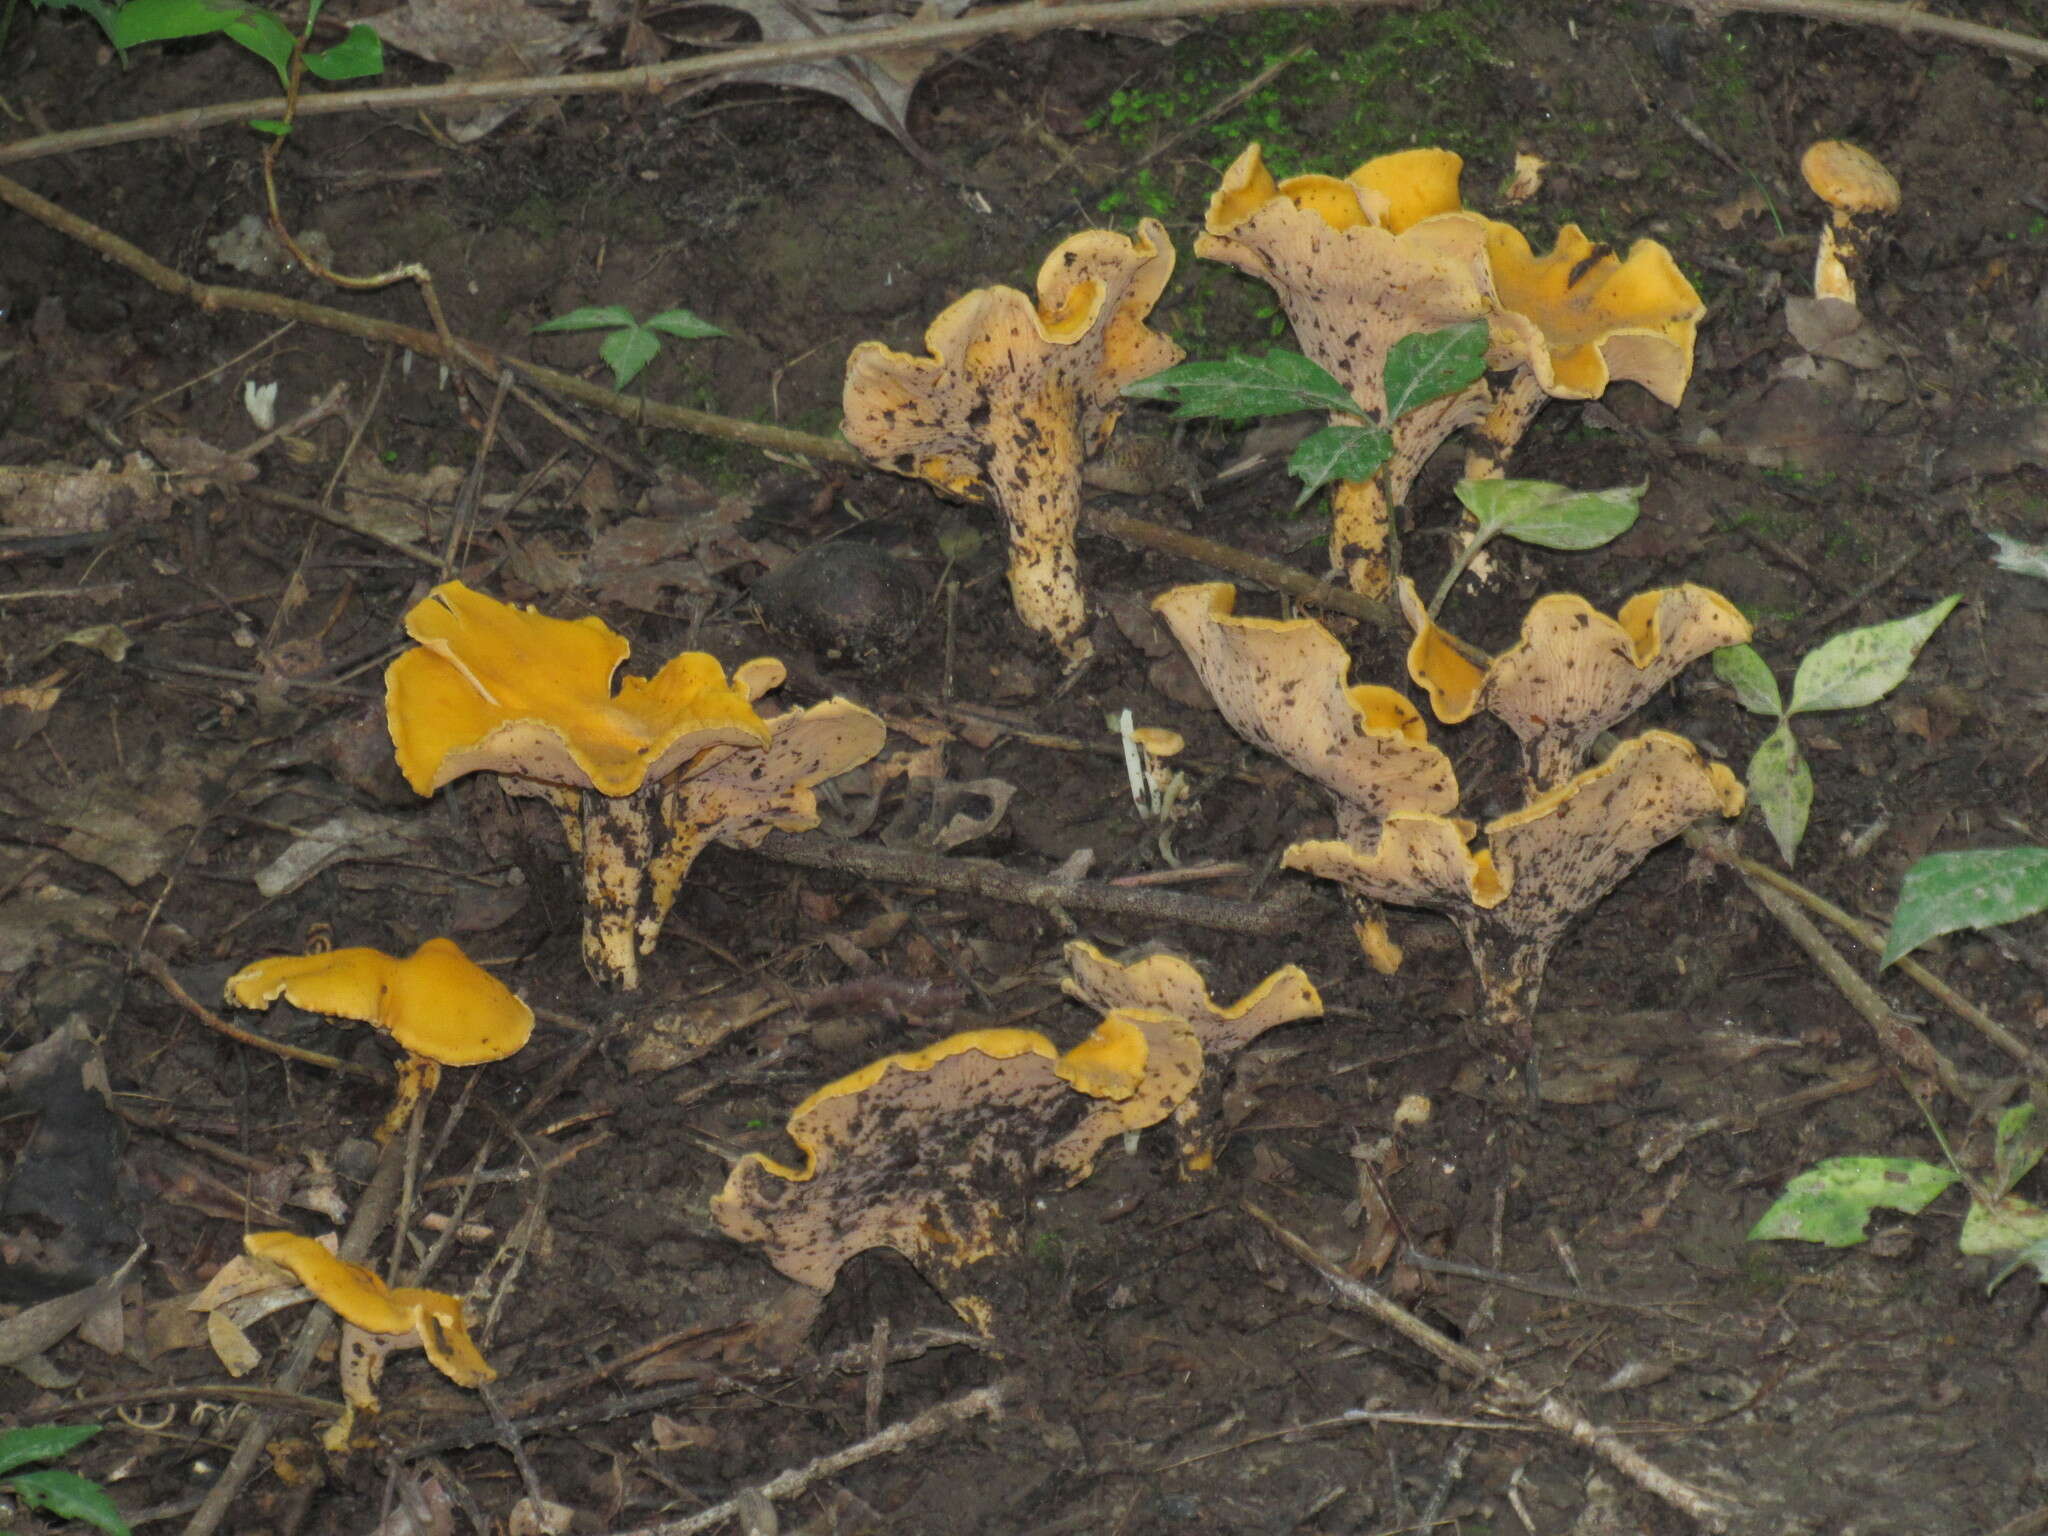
(1859,193)
(376,1319)
(1575,672)
(438,1006)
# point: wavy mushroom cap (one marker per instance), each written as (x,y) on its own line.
(1581,317)
(436,1003)
(499,689)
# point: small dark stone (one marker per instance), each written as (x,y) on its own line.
(850,603)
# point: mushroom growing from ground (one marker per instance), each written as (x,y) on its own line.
(1167,984)
(1358,263)
(1543,864)
(376,1318)
(508,691)
(1575,672)
(1014,395)
(936,1153)
(1573,321)
(1282,685)
(1860,193)
(439,1007)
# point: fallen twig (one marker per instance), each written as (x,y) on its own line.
(1879,13)
(982,877)
(1863,933)
(161,973)
(1026,19)
(983,1402)
(639,410)
(1553,1410)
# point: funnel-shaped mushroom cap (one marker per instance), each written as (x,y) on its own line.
(1357,263)
(1575,672)
(1171,985)
(932,1152)
(1281,684)
(1580,317)
(437,1003)
(1848,179)
(500,689)
(1014,395)
(359,1297)
(1548,861)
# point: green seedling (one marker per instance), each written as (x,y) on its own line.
(1420,368)
(359,54)
(1831,1202)
(1540,513)
(1854,668)
(26,1477)
(632,344)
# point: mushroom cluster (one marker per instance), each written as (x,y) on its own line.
(644,776)
(1361,261)
(936,1153)
(1575,672)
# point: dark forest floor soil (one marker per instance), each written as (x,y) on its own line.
(1177,1371)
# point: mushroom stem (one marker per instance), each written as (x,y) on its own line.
(1514,406)
(1363,548)
(613,838)
(418,1078)
(1510,967)
(1045,456)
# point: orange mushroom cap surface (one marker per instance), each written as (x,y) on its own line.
(436,1003)
(495,688)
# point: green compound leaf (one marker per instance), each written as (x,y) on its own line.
(1551,516)
(356,56)
(1977,888)
(682,325)
(1338,453)
(1243,388)
(1781,788)
(1831,1202)
(1756,690)
(627,351)
(69,1497)
(600,317)
(42,1442)
(1430,364)
(1861,666)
